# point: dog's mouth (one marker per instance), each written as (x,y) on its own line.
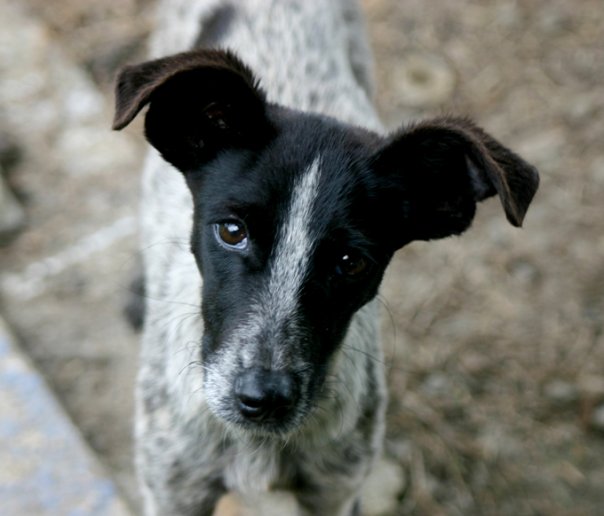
(279,421)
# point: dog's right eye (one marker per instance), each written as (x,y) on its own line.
(231,234)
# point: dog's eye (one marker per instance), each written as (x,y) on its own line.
(231,234)
(351,264)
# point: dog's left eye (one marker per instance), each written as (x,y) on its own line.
(231,234)
(351,264)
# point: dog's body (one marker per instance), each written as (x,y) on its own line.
(291,217)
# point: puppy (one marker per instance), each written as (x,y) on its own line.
(272,205)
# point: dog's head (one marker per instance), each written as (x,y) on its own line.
(296,217)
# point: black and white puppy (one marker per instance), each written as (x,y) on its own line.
(268,373)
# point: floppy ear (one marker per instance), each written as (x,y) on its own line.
(436,171)
(200,102)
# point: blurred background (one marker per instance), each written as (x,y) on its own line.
(494,340)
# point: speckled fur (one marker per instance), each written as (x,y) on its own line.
(309,55)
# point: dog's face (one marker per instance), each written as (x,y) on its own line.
(296,217)
(288,240)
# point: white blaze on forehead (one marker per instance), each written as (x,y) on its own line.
(288,265)
(294,244)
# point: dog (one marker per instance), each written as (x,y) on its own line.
(272,205)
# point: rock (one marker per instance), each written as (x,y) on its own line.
(10,153)
(561,392)
(383,487)
(275,503)
(524,271)
(597,171)
(591,386)
(424,80)
(12,215)
(597,418)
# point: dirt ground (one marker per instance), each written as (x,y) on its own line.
(494,340)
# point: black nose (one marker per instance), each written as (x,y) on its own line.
(263,395)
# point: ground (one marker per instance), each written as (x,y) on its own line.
(494,340)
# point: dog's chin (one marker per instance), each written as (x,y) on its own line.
(280,430)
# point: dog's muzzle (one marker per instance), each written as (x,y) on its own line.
(265,396)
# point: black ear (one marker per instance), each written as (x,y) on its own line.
(436,171)
(200,102)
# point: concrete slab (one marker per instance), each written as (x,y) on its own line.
(47,469)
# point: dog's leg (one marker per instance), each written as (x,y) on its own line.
(356,509)
(170,486)
(179,467)
(149,504)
